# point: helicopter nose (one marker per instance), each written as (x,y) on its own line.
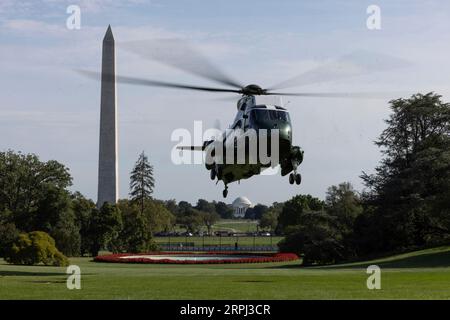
(284,131)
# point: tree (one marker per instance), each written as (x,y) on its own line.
(82,209)
(191,220)
(205,206)
(159,218)
(184,207)
(8,235)
(172,206)
(224,210)
(209,218)
(35,195)
(67,234)
(28,188)
(269,220)
(316,239)
(104,227)
(409,194)
(34,248)
(343,203)
(135,234)
(292,210)
(256,212)
(142,181)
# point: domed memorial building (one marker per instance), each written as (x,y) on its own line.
(240,206)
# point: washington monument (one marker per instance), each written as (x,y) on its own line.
(108,186)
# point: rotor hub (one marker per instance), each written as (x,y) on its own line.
(253,89)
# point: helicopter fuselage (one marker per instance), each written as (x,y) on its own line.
(254,123)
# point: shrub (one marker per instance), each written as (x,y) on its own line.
(34,248)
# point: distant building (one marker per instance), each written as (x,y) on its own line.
(240,206)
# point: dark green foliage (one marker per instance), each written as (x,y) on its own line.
(292,210)
(209,219)
(35,197)
(207,213)
(224,210)
(323,236)
(184,207)
(8,234)
(191,220)
(104,226)
(34,248)
(67,234)
(27,184)
(256,212)
(141,181)
(409,194)
(159,218)
(205,206)
(135,234)
(82,209)
(316,238)
(172,206)
(269,220)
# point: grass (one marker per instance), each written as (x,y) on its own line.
(236,225)
(418,275)
(224,241)
(232,225)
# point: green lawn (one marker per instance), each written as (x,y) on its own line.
(419,275)
(236,225)
(224,241)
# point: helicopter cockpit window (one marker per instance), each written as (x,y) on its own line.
(261,115)
(278,115)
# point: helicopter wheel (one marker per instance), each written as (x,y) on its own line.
(213,174)
(225,192)
(298,178)
(291,178)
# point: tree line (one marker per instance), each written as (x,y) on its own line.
(405,203)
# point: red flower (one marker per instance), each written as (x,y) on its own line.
(255,257)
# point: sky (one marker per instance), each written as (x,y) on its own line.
(48,109)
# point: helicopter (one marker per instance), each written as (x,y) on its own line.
(250,116)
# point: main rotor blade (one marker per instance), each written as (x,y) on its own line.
(351,65)
(352,95)
(153,83)
(179,54)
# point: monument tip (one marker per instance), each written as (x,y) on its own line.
(108,34)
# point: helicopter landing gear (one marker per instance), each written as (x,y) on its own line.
(295,177)
(298,178)
(225,191)
(213,173)
(291,178)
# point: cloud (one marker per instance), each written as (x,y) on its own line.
(10,8)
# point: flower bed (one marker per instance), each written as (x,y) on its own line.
(196,258)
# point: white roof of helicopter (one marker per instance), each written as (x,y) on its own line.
(268,106)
